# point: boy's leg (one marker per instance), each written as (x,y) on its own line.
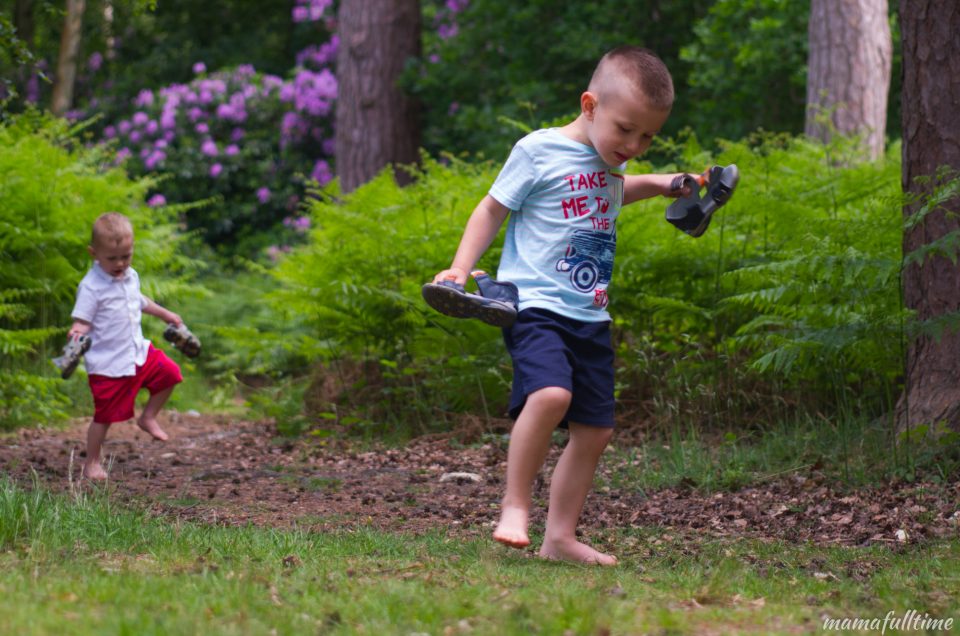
(529,442)
(92,469)
(148,419)
(571,481)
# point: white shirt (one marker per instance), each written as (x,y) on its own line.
(113,306)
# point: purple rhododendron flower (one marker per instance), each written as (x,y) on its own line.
(33,89)
(215,170)
(202,128)
(209,148)
(447,31)
(157,200)
(95,61)
(199,68)
(151,127)
(232,150)
(135,136)
(144,98)
(321,172)
(300,14)
(124,126)
(110,132)
(263,194)
(140,118)
(154,159)
(237,134)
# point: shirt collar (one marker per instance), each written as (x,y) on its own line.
(107,278)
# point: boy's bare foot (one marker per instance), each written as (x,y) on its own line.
(576,552)
(152,428)
(512,529)
(94,472)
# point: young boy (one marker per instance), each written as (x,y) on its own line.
(565,187)
(120,361)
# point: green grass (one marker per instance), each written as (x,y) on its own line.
(79,565)
(850,450)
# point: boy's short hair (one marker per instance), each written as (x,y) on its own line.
(642,68)
(111,227)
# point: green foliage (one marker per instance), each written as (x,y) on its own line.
(789,303)
(357,288)
(797,276)
(51,190)
(529,62)
(744,54)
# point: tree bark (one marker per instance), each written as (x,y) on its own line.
(67,60)
(848,71)
(24,22)
(931,140)
(376,123)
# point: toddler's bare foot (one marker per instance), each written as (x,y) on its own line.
(94,472)
(151,427)
(576,552)
(512,529)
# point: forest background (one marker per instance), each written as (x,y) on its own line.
(213,126)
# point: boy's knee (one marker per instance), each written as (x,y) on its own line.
(596,436)
(554,398)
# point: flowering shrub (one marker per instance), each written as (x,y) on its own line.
(251,140)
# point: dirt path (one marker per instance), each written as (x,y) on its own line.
(236,472)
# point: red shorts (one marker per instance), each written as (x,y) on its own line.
(113,398)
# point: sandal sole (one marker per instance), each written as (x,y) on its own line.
(456,304)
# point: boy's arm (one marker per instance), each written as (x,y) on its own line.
(162,313)
(644,186)
(481,229)
(78,328)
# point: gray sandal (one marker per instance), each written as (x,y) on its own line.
(496,304)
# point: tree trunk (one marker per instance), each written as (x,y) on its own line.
(931,139)
(848,72)
(376,123)
(24,22)
(67,60)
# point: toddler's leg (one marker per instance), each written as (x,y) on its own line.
(529,442)
(571,481)
(148,419)
(95,436)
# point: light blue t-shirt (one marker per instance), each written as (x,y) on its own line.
(561,235)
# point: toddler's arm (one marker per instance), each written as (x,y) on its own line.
(644,186)
(78,328)
(482,227)
(162,313)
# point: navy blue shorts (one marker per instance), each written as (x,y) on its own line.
(551,350)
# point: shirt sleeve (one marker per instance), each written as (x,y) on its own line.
(86,306)
(516,179)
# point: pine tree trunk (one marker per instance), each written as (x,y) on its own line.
(67,60)
(931,139)
(376,123)
(848,74)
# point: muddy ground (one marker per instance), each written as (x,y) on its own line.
(218,470)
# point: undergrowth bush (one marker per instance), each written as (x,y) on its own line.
(51,190)
(787,304)
(384,354)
